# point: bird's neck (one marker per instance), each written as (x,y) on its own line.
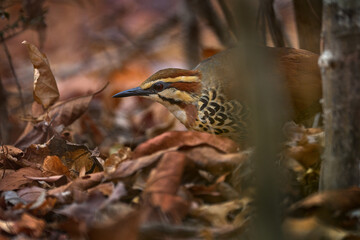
(186,113)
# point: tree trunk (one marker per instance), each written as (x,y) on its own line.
(340,68)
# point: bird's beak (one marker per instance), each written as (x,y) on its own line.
(138,91)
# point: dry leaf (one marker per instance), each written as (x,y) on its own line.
(10,152)
(30,194)
(162,187)
(214,161)
(17,179)
(224,214)
(314,229)
(27,224)
(82,183)
(130,167)
(124,226)
(54,165)
(66,112)
(336,201)
(74,156)
(180,139)
(45,91)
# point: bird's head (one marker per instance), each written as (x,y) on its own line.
(177,89)
(168,86)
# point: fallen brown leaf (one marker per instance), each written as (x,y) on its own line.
(82,183)
(188,138)
(17,179)
(125,226)
(45,91)
(10,152)
(162,187)
(327,203)
(314,229)
(74,156)
(224,214)
(30,194)
(28,225)
(213,160)
(53,165)
(130,167)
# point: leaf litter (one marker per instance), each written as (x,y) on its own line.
(185,185)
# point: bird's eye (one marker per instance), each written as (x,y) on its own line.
(158,86)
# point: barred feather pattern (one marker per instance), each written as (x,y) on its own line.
(218,116)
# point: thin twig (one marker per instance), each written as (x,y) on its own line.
(4,119)
(261,24)
(8,55)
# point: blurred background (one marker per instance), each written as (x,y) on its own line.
(89,43)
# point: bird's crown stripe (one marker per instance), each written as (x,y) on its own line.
(169,80)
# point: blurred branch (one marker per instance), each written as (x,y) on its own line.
(8,55)
(266,98)
(308,15)
(191,37)
(229,17)
(220,29)
(4,118)
(274,26)
(261,25)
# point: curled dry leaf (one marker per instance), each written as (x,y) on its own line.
(336,201)
(45,91)
(74,156)
(188,138)
(304,145)
(30,194)
(115,159)
(162,187)
(223,214)
(314,229)
(17,179)
(38,133)
(60,115)
(53,165)
(10,152)
(129,167)
(105,188)
(66,112)
(82,183)
(57,180)
(214,161)
(28,225)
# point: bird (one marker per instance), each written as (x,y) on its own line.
(212,97)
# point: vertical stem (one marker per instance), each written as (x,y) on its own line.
(229,17)
(4,118)
(308,14)
(266,100)
(191,33)
(8,55)
(275,28)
